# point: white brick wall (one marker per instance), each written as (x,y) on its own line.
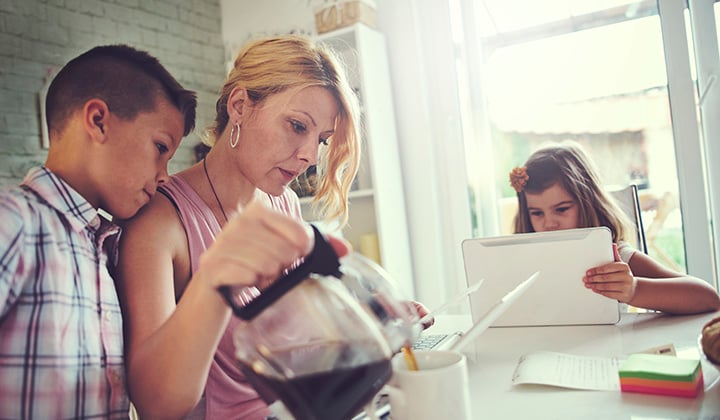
(37,35)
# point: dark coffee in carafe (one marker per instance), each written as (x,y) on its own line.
(334,383)
(331,395)
(317,343)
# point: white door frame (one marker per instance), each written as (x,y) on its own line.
(691,165)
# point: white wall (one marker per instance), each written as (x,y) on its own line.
(422,66)
(241,19)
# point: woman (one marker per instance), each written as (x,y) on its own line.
(286,105)
(559,188)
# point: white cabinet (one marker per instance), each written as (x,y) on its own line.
(378,204)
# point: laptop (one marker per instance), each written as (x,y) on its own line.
(438,340)
(462,332)
(559,297)
(459,338)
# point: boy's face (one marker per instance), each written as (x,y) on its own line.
(136,158)
(552,209)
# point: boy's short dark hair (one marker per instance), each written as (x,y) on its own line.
(123,77)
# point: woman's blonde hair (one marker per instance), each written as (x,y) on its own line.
(568,165)
(272,65)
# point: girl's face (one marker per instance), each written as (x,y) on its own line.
(552,209)
(280,137)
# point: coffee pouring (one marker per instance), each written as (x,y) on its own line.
(317,343)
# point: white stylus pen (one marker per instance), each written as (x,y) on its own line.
(494,313)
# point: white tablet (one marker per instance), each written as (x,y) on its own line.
(558,297)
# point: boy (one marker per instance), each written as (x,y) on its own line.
(115,117)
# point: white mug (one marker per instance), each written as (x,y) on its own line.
(438,389)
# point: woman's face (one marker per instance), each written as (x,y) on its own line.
(552,209)
(280,137)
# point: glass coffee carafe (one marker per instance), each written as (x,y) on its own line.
(317,344)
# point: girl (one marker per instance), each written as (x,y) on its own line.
(559,188)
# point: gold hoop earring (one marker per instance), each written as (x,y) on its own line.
(234,135)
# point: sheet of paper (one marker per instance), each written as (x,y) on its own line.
(568,371)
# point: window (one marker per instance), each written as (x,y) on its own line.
(614,74)
(597,75)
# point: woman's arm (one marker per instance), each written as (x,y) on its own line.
(169,348)
(168,352)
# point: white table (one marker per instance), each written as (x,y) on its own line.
(497,351)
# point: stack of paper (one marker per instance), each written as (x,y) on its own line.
(658,374)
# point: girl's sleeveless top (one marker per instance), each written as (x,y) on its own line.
(227,394)
(626,251)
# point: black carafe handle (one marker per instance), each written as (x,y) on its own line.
(322,260)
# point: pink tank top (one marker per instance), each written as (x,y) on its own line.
(227,394)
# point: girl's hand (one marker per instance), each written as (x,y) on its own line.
(614,280)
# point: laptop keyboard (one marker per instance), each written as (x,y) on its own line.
(382,409)
(428,342)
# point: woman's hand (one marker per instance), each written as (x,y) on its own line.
(422,311)
(254,247)
(614,280)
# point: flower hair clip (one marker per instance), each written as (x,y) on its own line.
(519,178)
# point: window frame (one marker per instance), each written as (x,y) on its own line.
(690,150)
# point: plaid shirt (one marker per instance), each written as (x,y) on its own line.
(61,346)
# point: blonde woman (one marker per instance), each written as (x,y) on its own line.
(286,105)
(559,188)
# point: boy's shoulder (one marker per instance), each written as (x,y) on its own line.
(18,200)
(41,197)
(20,209)
(24,195)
